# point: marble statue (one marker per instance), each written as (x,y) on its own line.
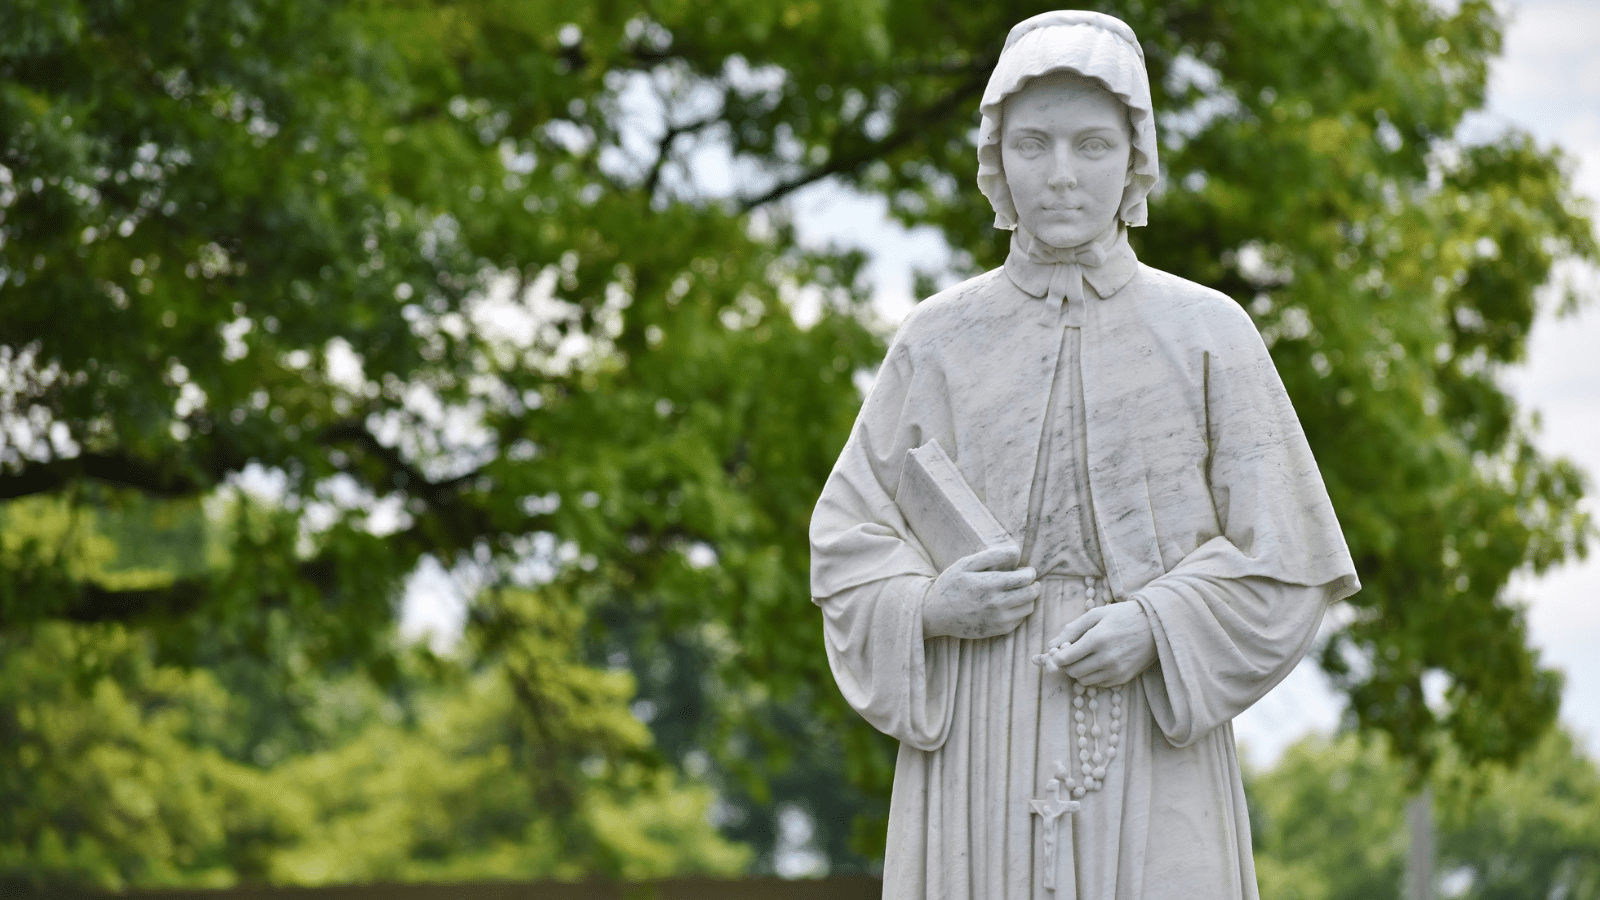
(1064,701)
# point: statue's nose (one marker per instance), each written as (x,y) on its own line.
(1063,176)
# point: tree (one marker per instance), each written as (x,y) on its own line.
(516,287)
(1326,827)
(101,784)
(117,770)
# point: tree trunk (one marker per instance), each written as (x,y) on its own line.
(1419,862)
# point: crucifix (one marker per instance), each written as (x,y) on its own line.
(1050,811)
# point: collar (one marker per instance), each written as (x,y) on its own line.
(1053,274)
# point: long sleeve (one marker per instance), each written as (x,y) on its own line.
(902,684)
(1221,643)
(870,578)
(1237,613)
(857,533)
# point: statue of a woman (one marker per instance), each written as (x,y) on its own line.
(1064,706)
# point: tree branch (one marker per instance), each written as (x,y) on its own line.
(402,474)
(664,149)
(454,523)
(911,127)
(96,603)
(176,480)
(115,468)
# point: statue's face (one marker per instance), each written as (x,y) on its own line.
(1065,147)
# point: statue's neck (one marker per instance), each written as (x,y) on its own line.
(1037,246)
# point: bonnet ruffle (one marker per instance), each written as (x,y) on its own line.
(1090,44)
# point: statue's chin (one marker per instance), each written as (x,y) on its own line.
(1067,236)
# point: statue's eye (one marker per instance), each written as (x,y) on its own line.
(1096,146)
(1030,146)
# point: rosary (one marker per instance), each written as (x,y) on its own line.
(1093,755)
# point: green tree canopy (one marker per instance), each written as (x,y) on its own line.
(1326,826)
(117,771)
(515,286)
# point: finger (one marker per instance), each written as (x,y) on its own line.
(1005,557)
(1107,676)
(1093,670)
(1003,581)
(1020,599)
(1011,620)
(1078,627)
(1080,649)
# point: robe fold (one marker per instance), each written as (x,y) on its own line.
(1204,506)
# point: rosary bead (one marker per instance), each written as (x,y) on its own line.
(1097,744)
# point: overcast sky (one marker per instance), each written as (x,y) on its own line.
(1549,84)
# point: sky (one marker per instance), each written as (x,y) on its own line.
(1547,83)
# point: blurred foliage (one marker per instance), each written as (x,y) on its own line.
(1326,825)
(117,771)
(516,287)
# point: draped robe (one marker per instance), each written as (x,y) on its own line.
(1205,508)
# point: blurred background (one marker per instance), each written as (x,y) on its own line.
(410,414)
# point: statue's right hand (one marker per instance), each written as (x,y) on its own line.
(980,596)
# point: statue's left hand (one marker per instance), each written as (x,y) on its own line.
(1104,647)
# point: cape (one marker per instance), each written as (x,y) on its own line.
(1209,512)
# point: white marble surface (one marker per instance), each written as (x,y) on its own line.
(1064,713)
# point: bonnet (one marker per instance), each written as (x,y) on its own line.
(1090,44)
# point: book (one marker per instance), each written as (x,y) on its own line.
(942,510)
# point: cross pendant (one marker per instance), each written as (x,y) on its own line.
(1051,811)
